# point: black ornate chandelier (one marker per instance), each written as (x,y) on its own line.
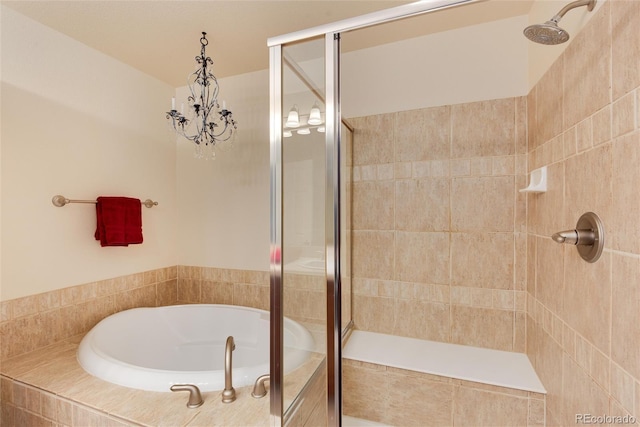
(207,125)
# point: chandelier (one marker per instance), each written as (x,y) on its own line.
(207,124)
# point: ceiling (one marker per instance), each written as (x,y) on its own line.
(161,38)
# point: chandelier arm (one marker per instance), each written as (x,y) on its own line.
(228,126)
(179,131)
(216,137)
(192,78)
(230,134)
(214,88)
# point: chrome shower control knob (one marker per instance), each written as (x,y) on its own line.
(569,237)
(588,237)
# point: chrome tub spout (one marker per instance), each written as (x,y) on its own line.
(229,393)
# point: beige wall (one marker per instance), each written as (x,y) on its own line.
(223,204)
(473,63)
(439,224)
(584,118)
(77,123)
(97,97)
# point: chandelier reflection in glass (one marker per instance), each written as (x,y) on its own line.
(208,125)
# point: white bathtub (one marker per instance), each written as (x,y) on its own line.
(154,348)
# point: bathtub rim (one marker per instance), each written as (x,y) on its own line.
(115,371)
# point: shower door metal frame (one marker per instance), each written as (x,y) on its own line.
(332,33)
(276,316)
(332,228)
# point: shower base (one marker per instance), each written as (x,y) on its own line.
(406,381)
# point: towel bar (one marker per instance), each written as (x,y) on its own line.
(60,201)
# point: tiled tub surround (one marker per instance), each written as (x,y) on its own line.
(207,285)
(40,334)
(42,383)
(439,227)
(39,320)
(304,295)
(584,116)
(47,387)
(36,321)
(52,389)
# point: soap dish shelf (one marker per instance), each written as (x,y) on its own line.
(537,181)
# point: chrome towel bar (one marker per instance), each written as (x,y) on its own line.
(60,201)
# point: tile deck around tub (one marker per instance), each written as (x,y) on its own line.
(481,365)
(54,374)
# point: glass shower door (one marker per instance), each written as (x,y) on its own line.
(302,217)
(310,224)
(307,227)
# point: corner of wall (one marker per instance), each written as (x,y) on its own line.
(541,57)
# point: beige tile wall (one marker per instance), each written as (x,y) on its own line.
(304,295)
(407,398)
(36,321)
(439,227)
(207,285)
(584,124)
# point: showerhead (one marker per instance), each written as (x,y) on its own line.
(549,32)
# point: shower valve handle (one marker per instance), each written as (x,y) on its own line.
(588,237)
(575,237)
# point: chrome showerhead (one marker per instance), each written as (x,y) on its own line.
(549,32)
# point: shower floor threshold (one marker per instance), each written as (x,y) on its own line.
(481,365)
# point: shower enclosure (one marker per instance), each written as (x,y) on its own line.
(310,219)
(306,228)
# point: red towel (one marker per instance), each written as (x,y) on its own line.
(119,221)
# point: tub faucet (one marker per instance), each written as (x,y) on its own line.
(229,393)
(195,398)
(259,389)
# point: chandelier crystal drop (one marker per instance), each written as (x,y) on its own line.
(207,124)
